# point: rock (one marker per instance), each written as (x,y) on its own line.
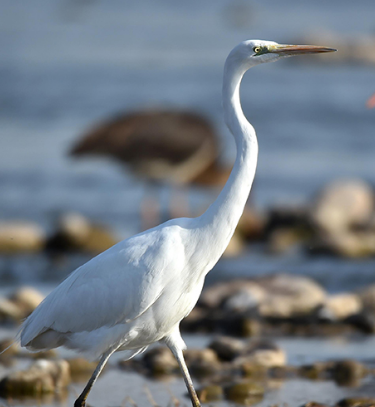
(289,295)
(193,356)
(10,311)
(44,354)
(247,298)
(288,218)
(10,346)
(251,327)
(367,296)
(76,233)
(282,240)
(262,353)
(99,240)
(351,244)
(217,294)
(27,298)
(342,205)
(241,392)
(227,349)
(251,224)
(212,392)
(364,322)
(42,377)
(160,361)
(254,371)
(281,373)
(356,402)
(314,404)
(316,371)
(202,362)
(348,372)
(20,304)
(81,368)
(235,246)
(8,349)
(21,237)
(257,353)
(341,306)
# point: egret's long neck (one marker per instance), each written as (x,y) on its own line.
(222,216)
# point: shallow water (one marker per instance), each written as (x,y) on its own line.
(115,385)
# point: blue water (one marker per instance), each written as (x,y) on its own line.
(66,64)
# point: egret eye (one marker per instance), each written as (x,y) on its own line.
(257,49)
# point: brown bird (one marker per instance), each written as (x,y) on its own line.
(175,147)
(169,146)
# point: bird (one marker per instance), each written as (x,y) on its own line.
(137,292)
(161,146)
(173,146)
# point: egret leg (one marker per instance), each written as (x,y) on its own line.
(177,352)
(81,401)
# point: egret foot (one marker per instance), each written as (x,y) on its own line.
(80,402)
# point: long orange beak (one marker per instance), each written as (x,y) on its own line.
(299,49)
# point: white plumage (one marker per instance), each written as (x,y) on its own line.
(137,292)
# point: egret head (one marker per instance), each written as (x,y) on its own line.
(253,52)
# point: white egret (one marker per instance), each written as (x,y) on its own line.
(137,292)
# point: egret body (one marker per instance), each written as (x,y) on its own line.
(137,292)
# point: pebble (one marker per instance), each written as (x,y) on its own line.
(20,304)
(227,348)
(263,353)
(315,371)
(235,247)
(341,306)
(27,298)
(242,353)
(42,377)
(252,224)
(81,368)
(12,349)
(160,361)
(217,294)
(21,237)
(244,391)
(202,362)
(367,296)
(348,372)
(76,233)
(212,392)
(10,311)
(289,296)
(314,404)
(356,402)
(350,244)
(283,240)
(342,205)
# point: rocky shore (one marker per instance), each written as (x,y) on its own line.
(241,362)
(241,318)
(339,221)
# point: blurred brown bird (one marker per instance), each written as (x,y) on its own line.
(173,147)
(168,146)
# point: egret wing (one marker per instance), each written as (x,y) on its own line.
(115,287)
